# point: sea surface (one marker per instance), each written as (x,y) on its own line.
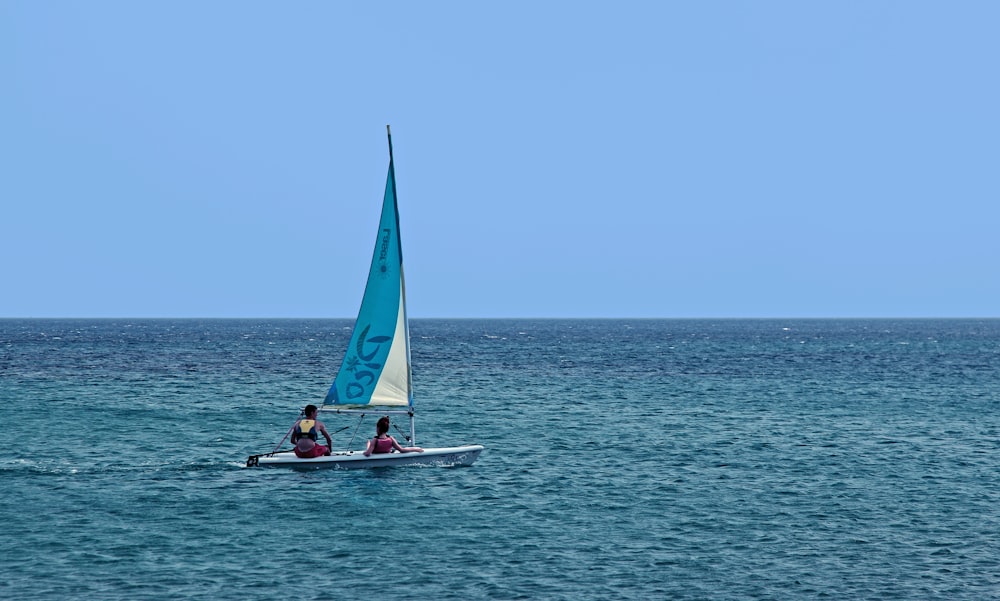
(625,459)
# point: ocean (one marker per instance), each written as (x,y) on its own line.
(625,459)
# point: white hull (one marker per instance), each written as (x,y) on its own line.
(446,456)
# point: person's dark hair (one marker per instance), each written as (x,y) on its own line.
(382,426)
(309,410)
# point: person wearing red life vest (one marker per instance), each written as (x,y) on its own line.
(383,443)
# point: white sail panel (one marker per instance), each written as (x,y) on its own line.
(393,387)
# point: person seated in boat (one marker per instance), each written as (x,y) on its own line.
(383,443)
(306,432)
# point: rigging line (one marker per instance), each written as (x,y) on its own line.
(360,419)
(403,434)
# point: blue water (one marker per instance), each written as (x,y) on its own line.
(643,459)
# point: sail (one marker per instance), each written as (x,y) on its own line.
(376,366)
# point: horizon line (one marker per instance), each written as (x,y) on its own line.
(579,318)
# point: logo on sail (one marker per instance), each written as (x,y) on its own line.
(365,366)
(383,267)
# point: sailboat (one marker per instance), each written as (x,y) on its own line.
(375,376)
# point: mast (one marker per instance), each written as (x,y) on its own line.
(388,133)
(402,283)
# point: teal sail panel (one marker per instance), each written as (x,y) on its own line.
(376,367)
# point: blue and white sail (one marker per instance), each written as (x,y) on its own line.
(376,366)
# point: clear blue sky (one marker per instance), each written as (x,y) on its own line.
(554,159)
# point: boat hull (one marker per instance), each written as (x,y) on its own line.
(445,456)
